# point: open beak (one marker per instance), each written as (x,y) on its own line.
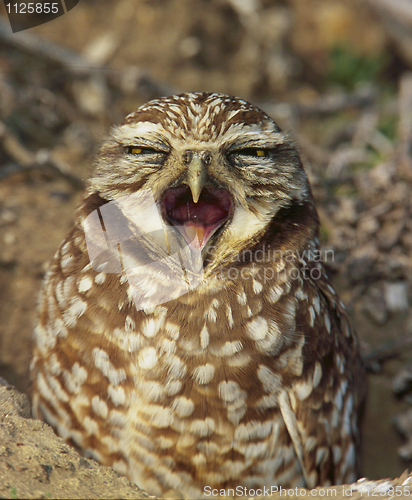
(197,209)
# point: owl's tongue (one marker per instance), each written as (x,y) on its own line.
(197,222)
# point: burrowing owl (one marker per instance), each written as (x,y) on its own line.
(188,335)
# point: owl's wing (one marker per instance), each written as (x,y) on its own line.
(289,417)
(320,409)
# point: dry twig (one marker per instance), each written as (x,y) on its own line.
(78,66)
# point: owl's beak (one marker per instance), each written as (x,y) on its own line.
(197,177)
(197,208)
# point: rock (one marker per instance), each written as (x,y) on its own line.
(374,305)
(403,422)
(396,296)
(91,95)
(361,268)
(389,234)
(402,382)
(347,212)
(367,227)
(101,49)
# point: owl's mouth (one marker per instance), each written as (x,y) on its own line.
(197,222)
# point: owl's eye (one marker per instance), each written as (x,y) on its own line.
(256,152)
(134,150)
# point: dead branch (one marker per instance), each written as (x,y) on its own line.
(325,105)
(405,122)
(388,350)
(25,160)
(77,65)
(42,49)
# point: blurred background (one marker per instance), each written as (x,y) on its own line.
(335,75)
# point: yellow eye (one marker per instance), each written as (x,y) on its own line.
(256,152)
(134,150)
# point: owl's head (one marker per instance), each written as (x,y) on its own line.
(222,173)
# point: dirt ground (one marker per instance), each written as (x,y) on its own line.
(332,75)
(35,463)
